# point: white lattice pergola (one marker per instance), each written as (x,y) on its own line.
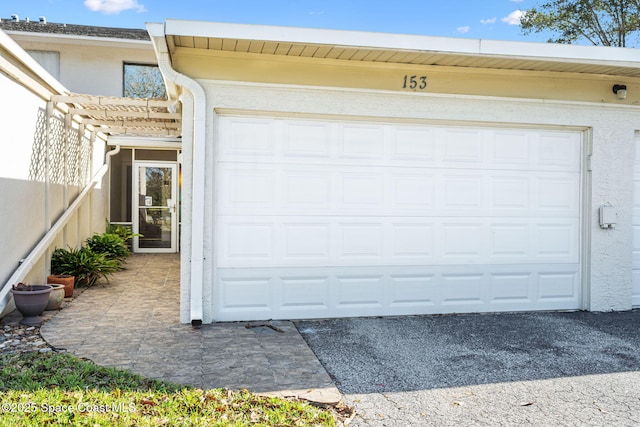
(125,116)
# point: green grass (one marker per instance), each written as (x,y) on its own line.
(55,389)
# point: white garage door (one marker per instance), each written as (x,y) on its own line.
(330,218)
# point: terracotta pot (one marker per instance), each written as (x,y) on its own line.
(63,279)
(31,303)
(56,296)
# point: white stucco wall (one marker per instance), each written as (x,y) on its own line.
(94,68)
(607,278)
(21,211)
(32,200)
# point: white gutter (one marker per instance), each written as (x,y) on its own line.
(157,33)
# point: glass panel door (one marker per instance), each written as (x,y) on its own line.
(155,207)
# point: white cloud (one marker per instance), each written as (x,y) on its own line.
(489,21)
(113,7)
(513,18)
(464,29)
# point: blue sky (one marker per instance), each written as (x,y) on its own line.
(478,19)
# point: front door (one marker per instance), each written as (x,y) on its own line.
(154,206)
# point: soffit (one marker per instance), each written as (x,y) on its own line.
(622,65)
(125,116)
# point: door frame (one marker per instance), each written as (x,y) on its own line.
(135,205)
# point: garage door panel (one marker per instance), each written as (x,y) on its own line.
(266,293)
(249,136)
(337,241)
(247,243)
(362,142)
(413,191)
(462,191)
(558,286)
(557,241)
(306,242)
(413,291)
(462,289)
(336,218)
(251,293)
(557,194)
(416,145)
(305,293)
(510,241)
(412,241)
(361,190)
(510,193)
(315,142)
(463,146)
(245,187)
(262,189)
(558,151)
(462,242)
(510,288)
(359,291)
(306,139)
(509,148)
(306,190)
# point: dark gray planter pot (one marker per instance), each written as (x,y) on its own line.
(31,303)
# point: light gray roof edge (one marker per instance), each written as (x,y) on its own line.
(80,38)
(376,40)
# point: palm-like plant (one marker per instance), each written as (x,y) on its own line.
(86,265)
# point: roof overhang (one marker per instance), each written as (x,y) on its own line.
(400,48)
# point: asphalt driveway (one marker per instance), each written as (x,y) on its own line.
(490,369)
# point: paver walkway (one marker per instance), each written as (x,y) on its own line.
(133,323)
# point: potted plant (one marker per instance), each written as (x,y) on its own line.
(63,279)
(56,296)
(31,300)
(84,264)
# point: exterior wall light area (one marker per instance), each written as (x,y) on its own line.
(620,91)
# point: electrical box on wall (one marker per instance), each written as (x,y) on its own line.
(608,216)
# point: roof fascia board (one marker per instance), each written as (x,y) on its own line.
(562,52)
(345,38)
(84,40)
(371,40)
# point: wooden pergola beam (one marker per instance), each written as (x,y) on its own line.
(106,100)
(133,124)
(123,113)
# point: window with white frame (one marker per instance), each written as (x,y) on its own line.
(143,81)
(50,61)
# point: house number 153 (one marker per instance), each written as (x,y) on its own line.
(415,82)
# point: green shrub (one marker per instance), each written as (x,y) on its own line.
(111,245)
(124,231)
(87,266)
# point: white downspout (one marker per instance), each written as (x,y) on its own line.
(157,32)
(108,156)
